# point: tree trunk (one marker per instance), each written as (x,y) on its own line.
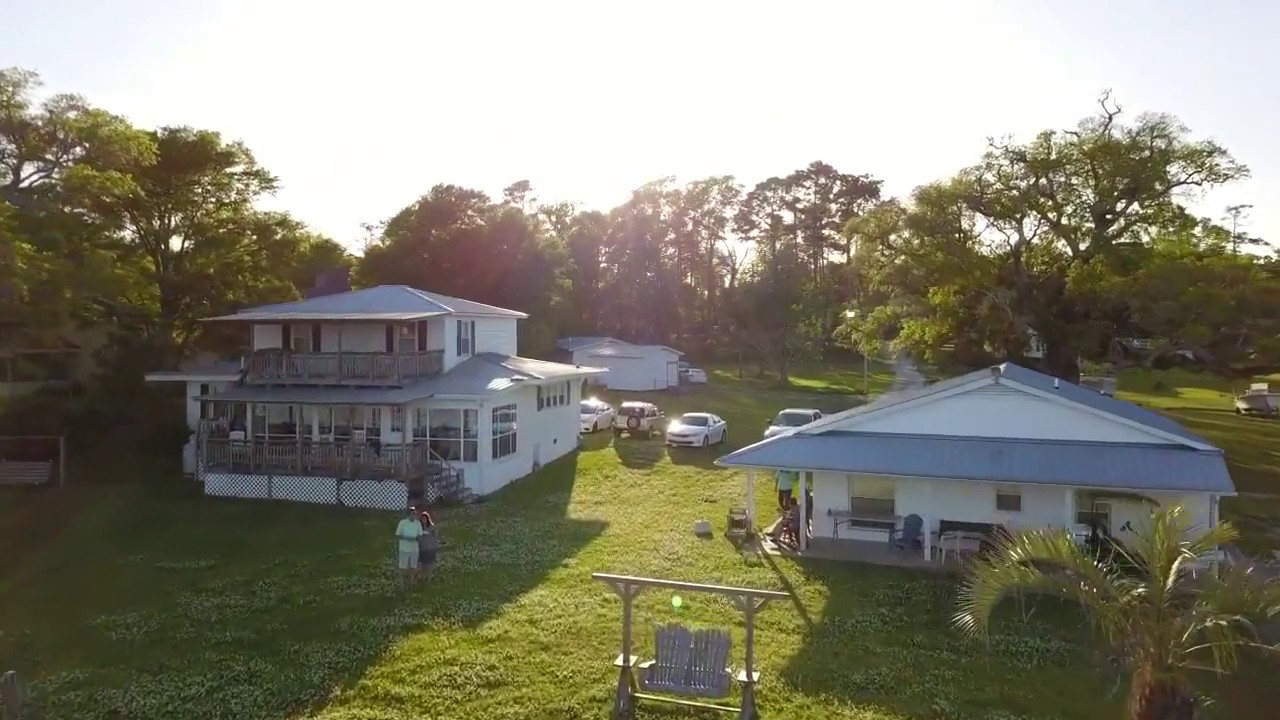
(1160,701)
(1061,360)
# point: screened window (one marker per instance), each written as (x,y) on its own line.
(1008,501)
(871,496)
(397,419)
(504,431)
(454,433)
(466,337)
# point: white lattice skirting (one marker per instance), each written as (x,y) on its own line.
(372,494)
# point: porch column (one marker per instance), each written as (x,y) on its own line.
(297,428)
(1070,509)
(751,500)
(803,497)
(927,532)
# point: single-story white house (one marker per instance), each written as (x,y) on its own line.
(375,397)
(629,366)
(1000,446)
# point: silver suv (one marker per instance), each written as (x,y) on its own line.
(639,419)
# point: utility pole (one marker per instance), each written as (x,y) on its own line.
(1236,213)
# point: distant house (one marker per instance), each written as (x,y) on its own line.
(375,397)
(30,361)
(1000,446)
(630,366)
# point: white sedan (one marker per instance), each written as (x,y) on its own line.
(697,430)
(595,415)
(697,376)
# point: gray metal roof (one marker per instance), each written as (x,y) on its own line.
(1012,460)
(483,374)
(618,348)
(389,303)
(579,342)
(201,366)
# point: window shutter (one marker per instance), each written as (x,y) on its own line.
(391,338)
(422,336)
(315,338)
(286,338)
(473,336)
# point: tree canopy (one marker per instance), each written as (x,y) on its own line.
(1080,239)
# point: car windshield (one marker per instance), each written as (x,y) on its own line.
(631,410)
(696,420)
(586,407)
(793,419)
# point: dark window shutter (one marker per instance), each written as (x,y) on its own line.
(391,338)
(458,339)
(422,336)
(286,339)
(473,337)
(315,338)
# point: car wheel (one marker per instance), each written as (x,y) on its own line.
(595,427)
(706,440)
(724,437)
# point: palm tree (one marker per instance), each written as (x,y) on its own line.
(1158,617)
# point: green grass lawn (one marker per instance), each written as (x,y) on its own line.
(1202,402)
(145,600)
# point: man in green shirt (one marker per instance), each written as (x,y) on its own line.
(407,533)
(785,478)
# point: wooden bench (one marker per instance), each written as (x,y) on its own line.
(25,472)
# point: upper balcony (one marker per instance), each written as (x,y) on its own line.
(283,367)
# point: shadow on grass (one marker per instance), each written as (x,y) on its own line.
(639,453)
(704,458)
(883,638)
(283,604)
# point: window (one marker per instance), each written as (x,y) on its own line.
(1098,513)
(373,422)
(871,496)
(304,338)
(453,434)
(408,338)
(466,337)
(504,431)
(343,417)
(1008,501)
(397,419)
(553,396)
(421,424)
(390,344)
(326,421)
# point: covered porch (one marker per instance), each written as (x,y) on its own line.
(861,517)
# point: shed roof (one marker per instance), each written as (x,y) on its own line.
(617,348)
(387,303)
(581,341)
(1118,466)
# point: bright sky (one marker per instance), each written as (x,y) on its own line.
(361,107)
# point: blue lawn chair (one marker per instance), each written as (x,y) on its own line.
(909,537)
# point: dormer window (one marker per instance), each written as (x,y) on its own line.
(466,338)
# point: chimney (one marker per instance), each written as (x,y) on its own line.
(331,282)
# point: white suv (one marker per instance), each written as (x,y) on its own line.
(639,419)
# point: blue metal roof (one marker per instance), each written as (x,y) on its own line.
(1122,466)
(1095,400)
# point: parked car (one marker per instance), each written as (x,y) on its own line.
(637,419)
(789,419)
(595,415)
(697,429)
(696,376)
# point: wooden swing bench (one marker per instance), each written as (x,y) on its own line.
(689,663)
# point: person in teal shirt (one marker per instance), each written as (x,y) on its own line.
(408,531)
(784,480)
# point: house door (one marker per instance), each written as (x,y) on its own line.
(673,374)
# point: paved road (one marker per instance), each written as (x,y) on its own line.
(905,374)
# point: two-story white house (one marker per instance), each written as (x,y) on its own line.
(376,397)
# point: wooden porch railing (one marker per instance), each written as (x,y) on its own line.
(322,459)
(345,368)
